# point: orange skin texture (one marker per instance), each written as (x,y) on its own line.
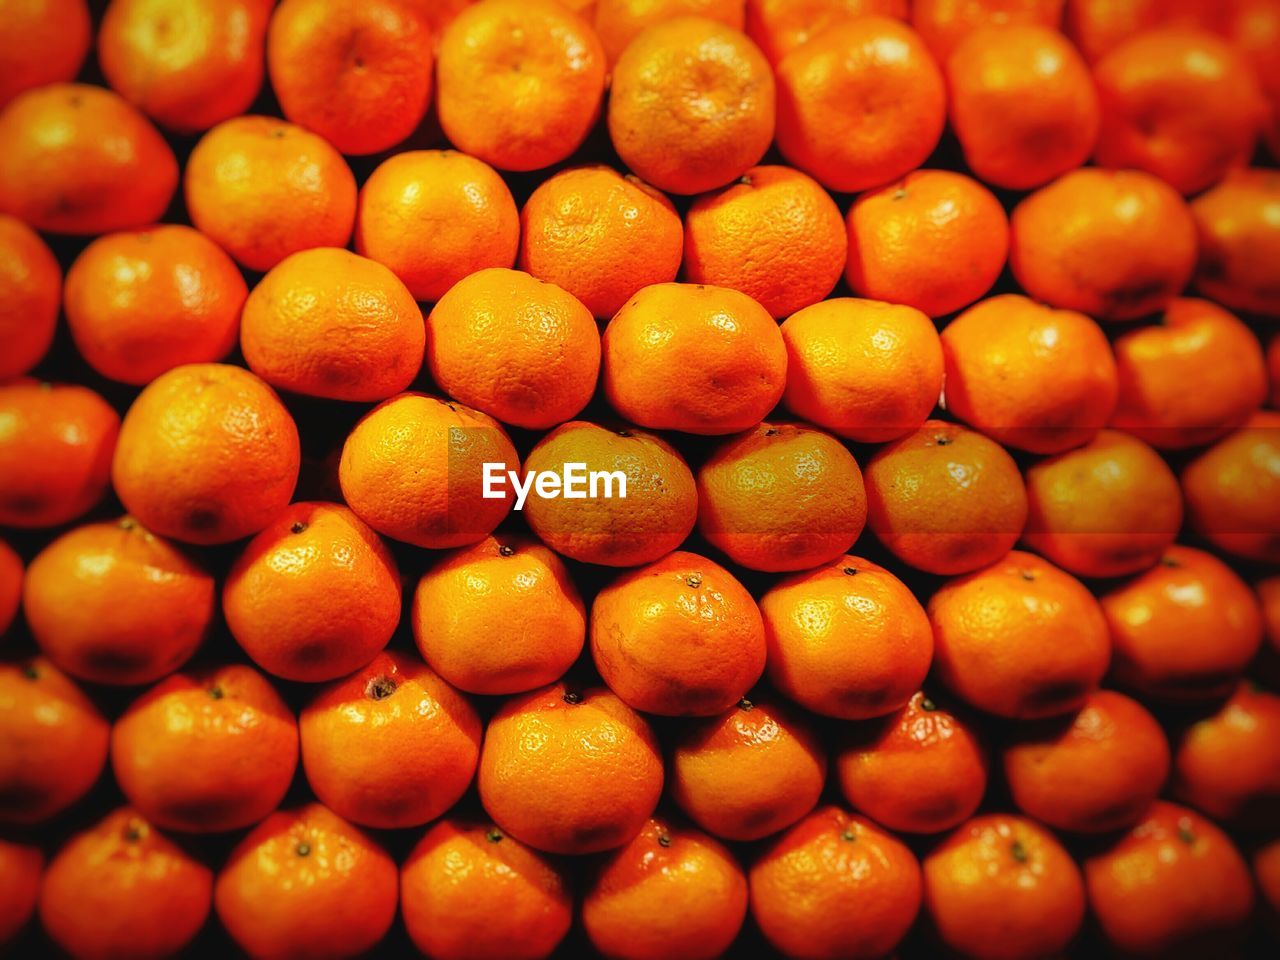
(206,751)
(920,770)
(781,497)
(146,301)
(672,892)
(53,742)
(522,350)
(1253,28)
(618,22)
(1002,888)
(42,42)
(691,106)
(860,104)
(834,886)
(1097,27)
(1268,591)
(264,188)
(470,892)
(601,235)
(520,82)
(1174,880)
(20,868)
(753,770)
(207,454)
(935,240)
(1094,771)
(680,637)
(1273,371)
(30,294)
(306,883)
(944,499)
(1111,244)
(1019,639)
(779,26)
(412,469)
(695,358)
(187,64)
(1240,242)
(330,323)
(1023,104)
(357,74)
(1107,509)
(657,515)
(1179,103)
(1266,870)
(774,235)
(846,640)
(435,217)
(313,596)
(81,160)
(72,598)
(865,370)
(1233,490)
(1029,376)
(122,888)
(570,772)
(11,574)
(501,616)
(944,24)
(390,746)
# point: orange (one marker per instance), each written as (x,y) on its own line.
(1022,103)
(11,574)
(1002,888)
(390,746)
(306,883)
(569,771)
(865,370)
(1106,509)
(1233,490)
(187,64)
(1029,376)
(618,22)
(779,26)
(1268,591)
(755,769)
(55,452)
(469,891)
(30,294)
(206,751)
(329,323)
(679,637)
(313,596)
(1185,629)
(1174,880)
(1196,343)
(601,235)
(860,104)
(146,301)
(781,497)
(1266,870)
(207,454)
(1114,245)
(79,159)
(691,106)
(945,499)
(356,72)
(434,217)
(440,13)
(670,892)
(520,349)
(111,602)
(1099,26)
(774,235)
(1240,241)
(934,240)
(654,518)
(54,742)
(412,469)
(21,865)
(846,640)
(41,41)
(501,616)
(1020,639)
(1179,103)
(1253,28)
(835,886)
(1273,371)
(695,358)
(943,24)
(122,888)
(520,82)
(919,770)
(1094,771)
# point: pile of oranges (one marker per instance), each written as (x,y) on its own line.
(933,343)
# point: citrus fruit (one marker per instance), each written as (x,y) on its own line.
(42,42)
(1239,241)
(30,294)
